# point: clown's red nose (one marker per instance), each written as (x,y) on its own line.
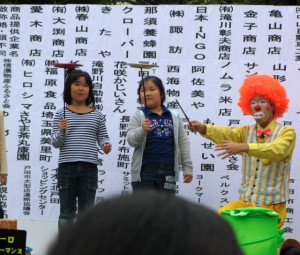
(257,108)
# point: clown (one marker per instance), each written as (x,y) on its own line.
(266,147)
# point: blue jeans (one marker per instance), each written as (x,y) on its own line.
(75,180)
(160,177)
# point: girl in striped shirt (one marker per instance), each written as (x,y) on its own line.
(77,130)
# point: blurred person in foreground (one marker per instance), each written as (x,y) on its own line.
(147,223)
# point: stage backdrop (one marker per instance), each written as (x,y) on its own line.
(203,54)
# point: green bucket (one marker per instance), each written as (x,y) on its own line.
(255,229)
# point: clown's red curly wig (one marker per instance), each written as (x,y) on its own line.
(266,86)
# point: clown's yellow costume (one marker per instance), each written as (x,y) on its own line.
(266,146)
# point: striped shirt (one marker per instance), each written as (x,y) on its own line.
(79,141)
(264,181)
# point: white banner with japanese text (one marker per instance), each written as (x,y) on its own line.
(203,54)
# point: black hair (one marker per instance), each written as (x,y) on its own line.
(147,223)
(73,75)
(158,82)
(290,251)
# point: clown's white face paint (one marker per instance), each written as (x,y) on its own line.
(262,110)
(258,115)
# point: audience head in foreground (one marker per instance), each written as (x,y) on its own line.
(147,223)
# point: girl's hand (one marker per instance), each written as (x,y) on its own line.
(3,179)
(106,148)
(146,125)
(187,178)
(63,124)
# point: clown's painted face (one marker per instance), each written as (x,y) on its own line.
(263,110)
